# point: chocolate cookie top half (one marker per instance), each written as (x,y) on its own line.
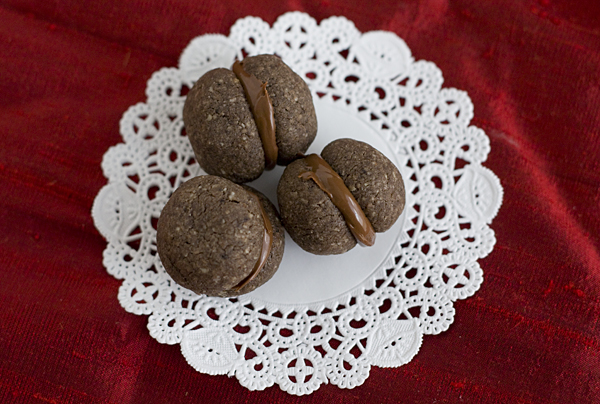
(309,215)
(221,128)
(210,236)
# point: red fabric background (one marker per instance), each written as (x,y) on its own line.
(70,68)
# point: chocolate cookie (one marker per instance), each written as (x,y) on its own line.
(242,121)
(329,203)
(212,234)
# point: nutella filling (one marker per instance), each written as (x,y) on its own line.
(333,185)
(262,109)
(265,250)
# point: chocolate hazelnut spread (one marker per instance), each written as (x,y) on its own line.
(262,109)
(333,185)
(265,250)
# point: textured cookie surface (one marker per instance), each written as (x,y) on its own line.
(210,236)
(309,216)
(372,178)
(221,128)
(295,117)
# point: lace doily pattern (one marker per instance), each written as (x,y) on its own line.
(451,201)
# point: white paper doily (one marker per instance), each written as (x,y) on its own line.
(320,319)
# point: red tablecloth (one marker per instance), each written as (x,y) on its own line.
(70,68)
